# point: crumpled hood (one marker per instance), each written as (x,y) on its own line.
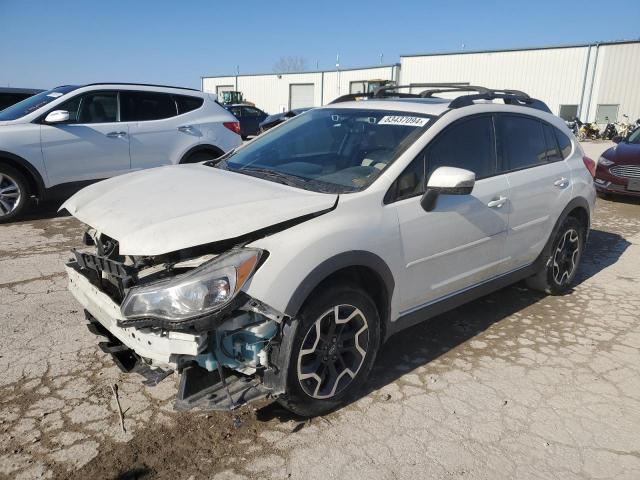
(165,209)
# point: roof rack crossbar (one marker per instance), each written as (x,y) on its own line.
(509,97)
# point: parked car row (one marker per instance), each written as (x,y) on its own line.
(57,141)
(289,261)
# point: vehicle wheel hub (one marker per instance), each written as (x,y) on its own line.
(10,194)
(565,257)
(333,351)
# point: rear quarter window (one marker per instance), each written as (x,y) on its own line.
(187,103)
(564,142)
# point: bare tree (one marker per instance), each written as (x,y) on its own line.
(290,64)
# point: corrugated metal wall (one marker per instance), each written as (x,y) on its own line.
(617,80)
(556,76)
(586,76)
(270,92)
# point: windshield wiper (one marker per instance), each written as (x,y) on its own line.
(286,178)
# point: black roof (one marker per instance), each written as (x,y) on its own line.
(30,91)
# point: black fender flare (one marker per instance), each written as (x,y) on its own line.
(201,147)
(275,378)
(20,163)
(353,258)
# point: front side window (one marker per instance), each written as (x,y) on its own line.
(98,107)
(31,104)
(467,144)
(634,137)
(145,106)
(522,141)
(332,150)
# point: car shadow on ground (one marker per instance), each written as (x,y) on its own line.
(423,343)
(41,211)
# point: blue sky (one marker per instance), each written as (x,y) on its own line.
(48,43)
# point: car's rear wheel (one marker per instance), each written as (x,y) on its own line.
(14,193)
(201,156)
(333,352)
(561,266)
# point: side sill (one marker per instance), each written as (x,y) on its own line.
(431,310)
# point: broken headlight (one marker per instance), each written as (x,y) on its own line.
(202,290)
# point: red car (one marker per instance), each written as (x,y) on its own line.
(618,169)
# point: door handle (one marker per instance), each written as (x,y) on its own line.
(561,182)
(497,202)
(116,134)
(185,128)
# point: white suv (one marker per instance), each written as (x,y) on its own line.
(55,142)
(289,261)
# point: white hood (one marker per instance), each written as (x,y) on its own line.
(165,209)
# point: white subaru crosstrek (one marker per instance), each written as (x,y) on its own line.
(287,262)
(58,141)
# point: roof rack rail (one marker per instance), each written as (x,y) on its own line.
(510,96)
(141,85)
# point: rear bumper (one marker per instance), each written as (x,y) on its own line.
(158,347)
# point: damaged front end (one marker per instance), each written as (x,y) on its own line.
(185,312)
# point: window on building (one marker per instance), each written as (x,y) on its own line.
(358,87)
(568,112)
(607,113)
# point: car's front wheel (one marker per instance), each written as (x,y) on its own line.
(561,266)
(14,194)
(333,352)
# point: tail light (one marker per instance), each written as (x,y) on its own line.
(235,127)
(590,164)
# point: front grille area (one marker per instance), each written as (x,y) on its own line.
(626,171)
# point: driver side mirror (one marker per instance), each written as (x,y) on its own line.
(57,116)
(447,181)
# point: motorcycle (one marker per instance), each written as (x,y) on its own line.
(609,130)
(625,127)
(587,131)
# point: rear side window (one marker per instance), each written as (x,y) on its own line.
(522,141)
(186,103)
(553,152)
(251,112)
(563,142)
(142,106)
(466,144)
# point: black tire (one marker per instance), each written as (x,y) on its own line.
(336,348)
(561,266)
(10,181)
(201,156)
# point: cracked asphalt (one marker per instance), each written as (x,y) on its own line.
(514,385)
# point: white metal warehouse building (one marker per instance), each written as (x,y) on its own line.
(591,81)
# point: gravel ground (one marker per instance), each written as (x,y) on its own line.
(514,385)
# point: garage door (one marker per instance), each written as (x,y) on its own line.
(300,95)
(224,88)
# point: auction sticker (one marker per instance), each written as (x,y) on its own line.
(403,120)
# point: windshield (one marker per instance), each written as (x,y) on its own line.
(634,137)
(329,150)
(31,104)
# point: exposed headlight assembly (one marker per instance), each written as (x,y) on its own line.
(605,162)
(204,289)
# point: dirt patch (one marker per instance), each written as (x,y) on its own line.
(194,442)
